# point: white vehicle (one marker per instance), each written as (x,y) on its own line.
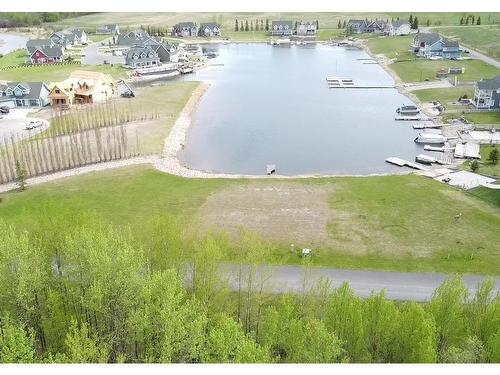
(33,125)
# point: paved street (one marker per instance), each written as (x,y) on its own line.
(398,285)
(94,57)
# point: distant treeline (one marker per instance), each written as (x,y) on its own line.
(21,19)
(73,289)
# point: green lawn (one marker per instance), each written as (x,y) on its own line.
(485,166)
(484,39)
(422,69)
(392,219)
(488,195)
(445,96)
(392,47)
(98,38)
(246,36)
(50,73)
(480,118)
(14,58)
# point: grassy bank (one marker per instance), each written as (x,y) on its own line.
(397,222)
(446,96)
(13,58)
(392,47)
(55,72)
(480,118)
(485,166)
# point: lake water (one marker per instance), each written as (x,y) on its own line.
(271,105)
(10,42)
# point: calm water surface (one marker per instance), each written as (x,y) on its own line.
(271,105)
(11,42)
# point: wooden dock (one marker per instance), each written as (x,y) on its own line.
(405,163)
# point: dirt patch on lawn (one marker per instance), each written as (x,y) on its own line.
(291,212)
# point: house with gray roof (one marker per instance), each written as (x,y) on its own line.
(78,36)
(356,26)
(306,28)
(62,39)
(398,27)
(132,38)
(376,27)
(487,94)
(185,30)
(281,28)
(46,55)
(167,52)
(107,30)
(432,44)
(209,29)
(140,56)
(24,94)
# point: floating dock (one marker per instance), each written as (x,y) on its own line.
(412,118)
(405,163)
(347,83)
(437,149)
(426,126)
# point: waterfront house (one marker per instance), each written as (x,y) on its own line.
(209,29)
(62,39)
(281,28)
(24,94)
(78,36)
(185,30)
(131,38)
(108,30)
(398,28)
(432,44)
(167,52)
(487,94)
(140,56)
(82,87)
(376,27)
(357,26)
(306,28)
(46,55)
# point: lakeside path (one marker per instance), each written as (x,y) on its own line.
(399,286)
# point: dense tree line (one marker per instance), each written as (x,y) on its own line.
(73,289)
(19,19)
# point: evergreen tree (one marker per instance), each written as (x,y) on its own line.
(493,156)
(428,23)
(474,166)
(339,25)
(251,25)
(415,24)
(20,176)
(235,25)
(473,20)
(246,25)
(410,20)
(462,21)
(241,26)
(267,24)
(478,20)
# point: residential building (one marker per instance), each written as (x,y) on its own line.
(209,29)
(398,28)
(62,39)
(281,28)
(306,28)
(167,52)
(108,30)
(432,44)
(140,56)
(356,26)
(487,93)
(46,55)
(82,87)
(24,94)
(376,27)
(131,38)
(78,36)
(185,30)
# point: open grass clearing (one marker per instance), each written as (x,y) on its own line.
(486,119)
(485,166)
(447,96)
(396,222)
(392,47)
(422,69)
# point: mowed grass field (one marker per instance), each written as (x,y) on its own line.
(485,38)
(55,72)
(446,96)
(481,118)
(395,222)
(14,58)
(485,166)
(422,69)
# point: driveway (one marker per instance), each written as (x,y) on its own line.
(94,57)
(14,124)
(399,286)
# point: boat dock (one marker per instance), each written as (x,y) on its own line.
(337,82)
(437,149)
(405,163)
(426,126)
(412,118)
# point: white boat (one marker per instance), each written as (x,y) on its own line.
(408,110)
(430,138)
(425,159)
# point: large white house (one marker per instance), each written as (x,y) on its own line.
(398,28)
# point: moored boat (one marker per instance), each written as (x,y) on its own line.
(408,110)
(430,138)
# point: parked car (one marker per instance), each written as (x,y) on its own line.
(128,94)
(33,125)
(4,109)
